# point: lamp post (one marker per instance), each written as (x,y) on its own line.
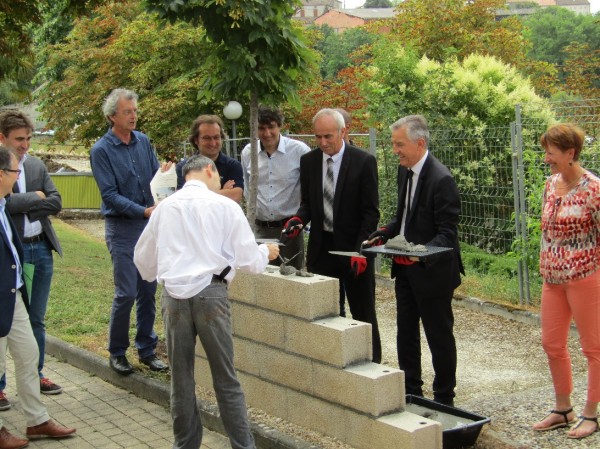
(232,111)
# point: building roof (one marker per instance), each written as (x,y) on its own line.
(369,13)
(572,3)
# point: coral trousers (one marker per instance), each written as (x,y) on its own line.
(578,300)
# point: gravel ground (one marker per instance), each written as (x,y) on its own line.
(502,374)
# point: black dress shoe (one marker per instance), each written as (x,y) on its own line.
(154,363)
(120,364)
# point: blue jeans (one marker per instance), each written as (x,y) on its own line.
(40,255)
(121,236)
(207,315)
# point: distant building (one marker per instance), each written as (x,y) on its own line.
(311,9)
(577,6)
(342,19)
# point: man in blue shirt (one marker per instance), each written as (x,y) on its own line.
(207,137)
(124,163)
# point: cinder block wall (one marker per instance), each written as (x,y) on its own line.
(300,361)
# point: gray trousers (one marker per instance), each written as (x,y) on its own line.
(207,315)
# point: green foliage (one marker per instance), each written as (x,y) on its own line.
(337,48)
(378,4)
(463,102)
(257,48)
(121,46)
(550,30)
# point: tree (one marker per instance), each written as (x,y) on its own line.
(15,39)
(442,29)
(122,46)
(378,4)
(337,49)
(259,54)
(551,30)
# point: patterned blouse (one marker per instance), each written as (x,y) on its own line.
(570,247)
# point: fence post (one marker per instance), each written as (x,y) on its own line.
(373,141)
(514,158)
(521,211)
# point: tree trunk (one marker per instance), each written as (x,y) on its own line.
(251,205)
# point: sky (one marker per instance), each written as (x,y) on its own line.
(594,4)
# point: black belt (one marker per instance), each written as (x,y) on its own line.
(36,238)
(271,224)
(221,276)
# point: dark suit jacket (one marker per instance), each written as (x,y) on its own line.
(433,220)
(9,277)
(20,203)
(355,205)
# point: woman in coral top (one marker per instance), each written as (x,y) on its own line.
(569,264)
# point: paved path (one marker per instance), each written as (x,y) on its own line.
(105,416)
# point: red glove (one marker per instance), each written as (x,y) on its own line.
(358,265)
(292,228)
(403,260)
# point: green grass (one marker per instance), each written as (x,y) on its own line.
(43,144)
(82,292)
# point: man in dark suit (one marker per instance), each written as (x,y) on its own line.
(33,201)
(428,213)
(15,329)
(347,176)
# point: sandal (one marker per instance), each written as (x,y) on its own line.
(558,425)
(580,421)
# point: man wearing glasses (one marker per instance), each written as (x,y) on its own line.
(206,137)
(33,200)
(15,327)
(124,162)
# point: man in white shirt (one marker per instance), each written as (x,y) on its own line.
(194,242)
(278,196)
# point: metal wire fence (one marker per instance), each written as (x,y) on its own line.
(500,173)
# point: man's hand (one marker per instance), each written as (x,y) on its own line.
(358,265)
(166,166)
(228,185)
(41,194)
(292,228)
(273,251)
(148,211)
(377,238)
(404,260)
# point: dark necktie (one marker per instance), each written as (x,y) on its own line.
(328,197)
(408,190)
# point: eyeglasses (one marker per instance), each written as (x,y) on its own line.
(17,171)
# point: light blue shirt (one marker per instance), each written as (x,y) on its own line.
(278,194)
(9,234)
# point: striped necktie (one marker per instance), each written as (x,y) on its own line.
(328,197)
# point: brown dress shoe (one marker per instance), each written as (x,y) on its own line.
(49,429)
(9,441)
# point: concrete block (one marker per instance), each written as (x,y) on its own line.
(366,387)
(264,395)
(259,325)
(317,414)
(248,356)
(286,369)
(303,297)
(243,287)
(400,430)
(336,340)
(202,374)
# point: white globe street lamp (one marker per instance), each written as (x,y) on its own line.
(233,111)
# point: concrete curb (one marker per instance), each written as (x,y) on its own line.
(159,392)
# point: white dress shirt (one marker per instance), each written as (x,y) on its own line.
(32,228)
(193,235)
(415,179)
(278,194)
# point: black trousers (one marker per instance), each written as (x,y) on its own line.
(360,290)
(438,322)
